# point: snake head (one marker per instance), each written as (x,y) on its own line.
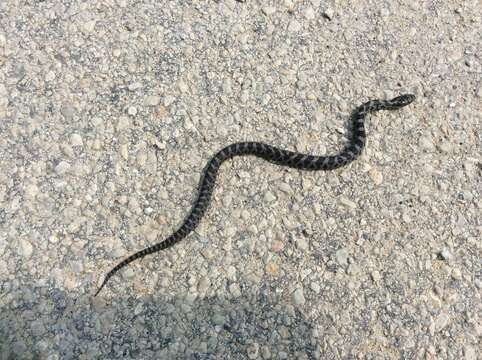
(401,101)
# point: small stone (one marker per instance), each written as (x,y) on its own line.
(302,244)
(285,187)
(328,13)
(469,353)
(235,290)
(183,86)
(445,147)
(168,100)
(227,86)
(89,26)
(426,143)
(315,287)
(218,319)
(347,202)
(152,100)
(76,140)
(294,26)
(268,10)
(253,351)
(376,176)
(298,296)
(203,284)
(277,246)
(342,257)
(272,268)
(134,86)
(269,197)
(123,123)
(227,200)
(441,322)
(68,111)
(31,191)
(266,352)
(132,110)
(50,76)
(77,266)
(445,255)
(25,248)
(62,167)
(309,13)
(376,277)
(456,274)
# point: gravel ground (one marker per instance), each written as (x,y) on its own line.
(109,111)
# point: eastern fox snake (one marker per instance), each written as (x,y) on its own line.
(275,155)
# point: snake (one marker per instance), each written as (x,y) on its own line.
(275,155)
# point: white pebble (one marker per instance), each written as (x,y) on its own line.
(347,203)
(376,176)
(298,296)
(132,110)
(269,197)
(342,257)
(152,100)
(309,13)
(134,86)
(62,167)
(268,10)
(76,140)
(25,248)
(294,26)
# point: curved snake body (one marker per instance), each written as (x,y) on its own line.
(275,155)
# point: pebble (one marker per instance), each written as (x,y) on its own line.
(89,26)
(347,202)
(218,319)
(203,284)
(309,13)
(123,123)
(376,176)
(253,351)
(294,26)
(25,248)
(76,140)
(298,296)
(62,168)
(235,290)
(376,277)
(272,268)
(134,86)
(132,110)
(456,274)
(470,353)
(302,244)
(342,257)
(441,321)
(285,187)
(426,143)
(268,10)
(445,147)
(152,100)
(445,255)
(328,13)
(277,246)
(269,197)
(315,287)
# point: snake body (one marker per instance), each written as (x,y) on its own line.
(272,154)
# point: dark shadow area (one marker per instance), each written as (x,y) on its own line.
(39,322)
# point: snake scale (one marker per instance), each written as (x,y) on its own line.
(274,155)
